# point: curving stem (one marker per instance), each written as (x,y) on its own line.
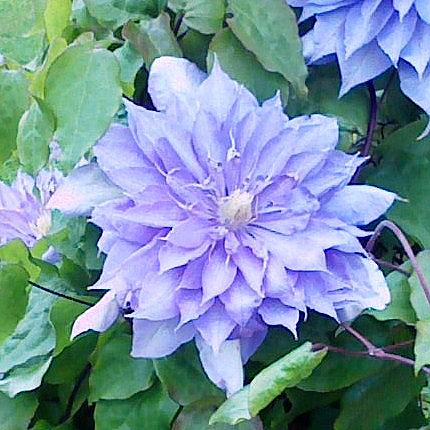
(408,249)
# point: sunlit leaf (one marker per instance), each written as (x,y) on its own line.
(268,28)
(83,91)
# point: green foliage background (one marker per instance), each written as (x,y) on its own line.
(64,69)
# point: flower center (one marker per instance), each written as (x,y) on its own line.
(235,210)
(42,225)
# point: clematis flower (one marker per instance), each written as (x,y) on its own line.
(368,37)
(23,211)
(231,218)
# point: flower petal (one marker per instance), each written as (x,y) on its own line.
(275,312)
(99,317)
(173,77)
(85,188)
(215,325)
(218,273)
(155,339)
(224,367)
(359,204)
(240,301)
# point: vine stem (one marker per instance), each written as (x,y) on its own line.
(63,296)
(343,351)
(374,351)
(406,246)
(178,22)
(391,266)
(373,117)
(371,127)
(69,408)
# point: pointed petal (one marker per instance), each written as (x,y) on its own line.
(98,318)
(173,77)
(224,367)
(218,273)
(359,204)
(171,256)
(155,339)
(275,312)
(190,233)
(124,162)
(364,64)
(85,188)
(190,305)
(240,301)
(297,252)
(158,303)
(251,267)
(215,326)
(418,90)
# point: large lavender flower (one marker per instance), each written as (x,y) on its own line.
(23,211)
(370,36)
(232,218)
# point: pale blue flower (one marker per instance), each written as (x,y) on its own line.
(367,37)
(23,206)
(231,218)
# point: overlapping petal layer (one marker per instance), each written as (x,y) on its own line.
(368,37)
(231,218)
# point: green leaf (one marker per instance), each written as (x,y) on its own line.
(411,418)
(422,345)
(108,13)
(14,297)
(117,375)
(204,16)
(114,13)
(400,307)
(26,354)
(418,298)
(305,401)
(35,132)
(242,66)
(183,377)
(352,110)
(268,384)
(405,169)
(83,91)
(153,38)
(15,252)
(22,32)
(338,371)
(177,5)
(130,62)
(425,401)
(56,48)
(395,106)
(15,414)
(268,28)
(14,100)
(63,314)
(9,168)
(87,23)
(195,416)
(194,46)
(71,362)
(57,15)
(234,410)
(373,401)
(284,373)
(151,408)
